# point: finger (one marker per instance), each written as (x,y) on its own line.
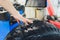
(17,20)
(30,21)
(26,23)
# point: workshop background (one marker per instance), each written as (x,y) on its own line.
(47,13)
(54,6)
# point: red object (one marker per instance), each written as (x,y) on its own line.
(57,24)
(50,11)
(50,8)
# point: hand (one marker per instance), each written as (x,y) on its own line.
(19,17)
(26,21)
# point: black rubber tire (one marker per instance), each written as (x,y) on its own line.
(44,31)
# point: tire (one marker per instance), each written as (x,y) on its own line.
(40,31)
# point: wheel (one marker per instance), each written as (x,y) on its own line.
(38,30)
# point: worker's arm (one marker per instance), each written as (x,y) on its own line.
(10,8)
